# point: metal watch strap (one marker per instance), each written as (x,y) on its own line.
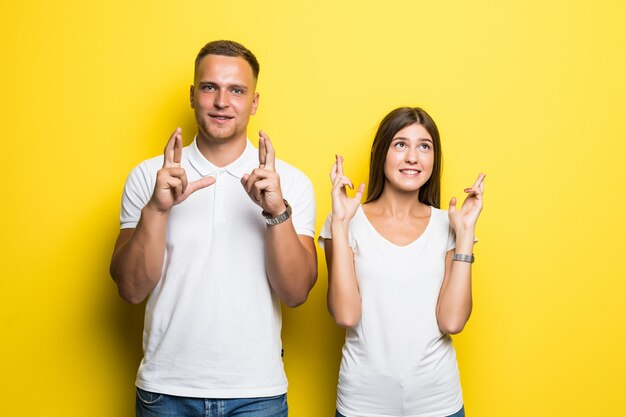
(273,221)
(463,258)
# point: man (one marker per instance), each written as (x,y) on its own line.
(215,238)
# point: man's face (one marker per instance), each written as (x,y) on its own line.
(223,98)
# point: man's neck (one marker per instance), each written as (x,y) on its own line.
(221,152)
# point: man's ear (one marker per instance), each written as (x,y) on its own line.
(255,103)
(191,91)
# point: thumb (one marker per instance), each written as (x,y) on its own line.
(359,192)
(452,209)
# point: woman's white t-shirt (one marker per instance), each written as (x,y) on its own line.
(396,361)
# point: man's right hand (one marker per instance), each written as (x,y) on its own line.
(171,186)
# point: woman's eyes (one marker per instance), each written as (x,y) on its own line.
(421,146)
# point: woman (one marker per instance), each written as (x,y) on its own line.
(399,273)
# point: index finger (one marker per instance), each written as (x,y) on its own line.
(339,165)
(480,179)
(269,156)
(173,149)
(333,172)
(262,152)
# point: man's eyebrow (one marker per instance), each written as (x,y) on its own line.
(240,86)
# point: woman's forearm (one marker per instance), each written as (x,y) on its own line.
(455,299)
(344,299)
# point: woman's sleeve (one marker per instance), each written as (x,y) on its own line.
(325,232)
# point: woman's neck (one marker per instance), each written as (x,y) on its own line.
(397,204)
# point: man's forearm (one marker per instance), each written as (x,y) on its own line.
(291,263)
(138,257)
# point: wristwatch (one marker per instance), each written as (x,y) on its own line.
(274,220)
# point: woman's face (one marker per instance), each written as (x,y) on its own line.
(410,158)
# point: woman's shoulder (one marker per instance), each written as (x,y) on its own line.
(440,217)
(438,213)
(358,220)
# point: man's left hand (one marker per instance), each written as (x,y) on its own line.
(263,183)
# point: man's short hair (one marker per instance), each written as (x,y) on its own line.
(229,48)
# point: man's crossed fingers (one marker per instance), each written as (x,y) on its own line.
(263,183)
(267,156)
(172,186)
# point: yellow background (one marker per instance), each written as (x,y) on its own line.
(533,94)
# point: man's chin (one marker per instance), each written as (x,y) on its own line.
(219,135)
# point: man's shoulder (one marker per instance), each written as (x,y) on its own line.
(153,164)
(290,172)
(150,162)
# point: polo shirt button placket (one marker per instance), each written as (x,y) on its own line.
(220,215)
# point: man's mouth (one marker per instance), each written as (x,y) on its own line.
(221,118)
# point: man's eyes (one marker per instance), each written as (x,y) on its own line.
(234,90)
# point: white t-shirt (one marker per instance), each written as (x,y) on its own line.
(396,361)
(212,324)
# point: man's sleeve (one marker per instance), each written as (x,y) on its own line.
(301,197)
(137,193)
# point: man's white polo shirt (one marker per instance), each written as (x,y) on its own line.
(212,325)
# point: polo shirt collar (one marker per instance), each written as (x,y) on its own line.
(240,166)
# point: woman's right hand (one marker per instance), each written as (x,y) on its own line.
(344,207)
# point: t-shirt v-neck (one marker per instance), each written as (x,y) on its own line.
(361,212)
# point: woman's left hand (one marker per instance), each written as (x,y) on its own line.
(465,218)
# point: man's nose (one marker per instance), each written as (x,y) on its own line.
(221,99)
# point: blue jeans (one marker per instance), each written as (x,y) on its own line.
(460,413)
(150,404)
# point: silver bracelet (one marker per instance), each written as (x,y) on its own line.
(463,258)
